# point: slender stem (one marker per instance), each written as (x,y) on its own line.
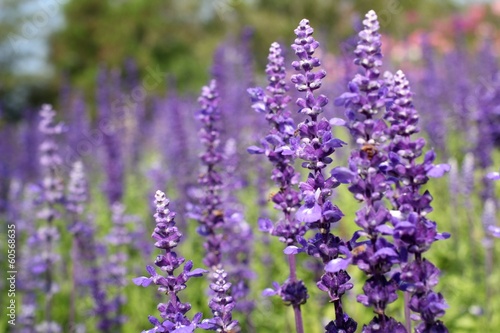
(488,270)
(48,274)
(72,310)
(299,326)
(339,313)
(407,312)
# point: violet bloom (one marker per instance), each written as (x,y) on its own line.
(167,237)
(276,147)
(77,191)
(221,304)
(238,244)
(75,205)
(365,102)
(110,111)
(209,212)
(85,251)
(118,240)
(413,232)
(47,236)
(314,146)
(29,279)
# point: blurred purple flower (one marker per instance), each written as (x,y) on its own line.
(167,237)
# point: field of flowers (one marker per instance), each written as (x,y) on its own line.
(328,194)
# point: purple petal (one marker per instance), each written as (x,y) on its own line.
(142,281)
(292,249)
(185,329)
(385,229)
(269,292)
(442,236)
(493,175)
(438,170)
(286,151)
(206,324)
(337,122)
(386,252)
(197,317)
(309,214)
(265,225)
(197,272)
(494,231)
(342,174)
(151,270)
(255,150)
(338,264)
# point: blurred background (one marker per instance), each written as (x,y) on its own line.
(48,44)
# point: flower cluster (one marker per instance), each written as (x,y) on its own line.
(117,257)
(238,244)
(47,236)
(221,304)
(111,115)
(365,103)
(413,232)
(276,147)
(210,213)
(167,237)
(314,146)
(85,245)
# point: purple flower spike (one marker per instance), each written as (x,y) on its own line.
(364,103)
(308,81)
(314,144)
(414,233)
(276,146)
(209,211)
(167,237)
(221,305)
(47,235)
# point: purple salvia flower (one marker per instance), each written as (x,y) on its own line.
(30,141)
(314,145)
(181,165)
(221,304)
(238,246)
(136,111)
(365,102)
(210,211)
(118,239)
(29,265)
(110,112)
(231,61)
(238,252)
(167,237)
(90,251)
(75,205)
(47,236)
(413,232)
(276,147)
(432,88)
(85,251)
(210,214)
(78,125)
(77,191)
